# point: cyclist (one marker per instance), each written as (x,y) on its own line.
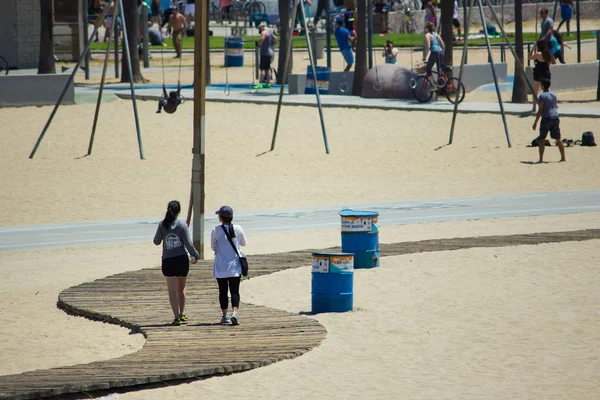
(434,48)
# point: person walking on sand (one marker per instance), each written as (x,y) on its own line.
(227,269)
(547,26)
(175,238)
(540,54)
(548,111)
(177,24)
(344,40)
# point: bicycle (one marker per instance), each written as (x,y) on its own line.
(3,65)
(249,7)
(423,88)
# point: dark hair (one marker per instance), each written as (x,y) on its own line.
(173,210)
(542,47)
(227,221)
(543,10)
(430,27)
(545,83)
(559,37)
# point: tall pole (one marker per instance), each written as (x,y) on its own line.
(489,47)
(370,33)
(198,160)
(460,74)
(578,32)
(328,32)
(69,81)
(104,68)
(285,74)
(131,83)
(466,18)
(85,38)
(117,62)
(145,35)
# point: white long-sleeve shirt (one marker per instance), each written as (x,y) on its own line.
(226,264)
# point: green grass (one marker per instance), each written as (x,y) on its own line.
(399,40)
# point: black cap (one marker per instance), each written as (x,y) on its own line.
(225,211)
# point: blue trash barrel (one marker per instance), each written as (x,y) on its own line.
(234,51)
(323,74)
(332,282)
(360,236)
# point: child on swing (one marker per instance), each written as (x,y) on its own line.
(169,102)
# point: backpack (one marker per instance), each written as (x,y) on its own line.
(535,142)
(587,139)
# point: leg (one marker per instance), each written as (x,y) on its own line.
(536,89)
(181,294)
(561,23)
(173,300)
(561,147)
(568,27)
(234,288)
(223,298)
(541,148)
(555,134)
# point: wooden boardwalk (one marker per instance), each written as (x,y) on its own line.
(204,347)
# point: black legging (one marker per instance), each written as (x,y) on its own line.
(234,288)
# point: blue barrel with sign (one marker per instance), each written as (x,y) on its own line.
(323,75)
(360,236)
(234,51)
(332,282)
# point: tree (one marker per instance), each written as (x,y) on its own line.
(519,94)
(360,65)
(284,36)
(447,29)
(46,63)
(133,37)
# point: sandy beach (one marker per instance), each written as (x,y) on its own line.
(496,323)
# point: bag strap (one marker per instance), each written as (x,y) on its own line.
(230,240)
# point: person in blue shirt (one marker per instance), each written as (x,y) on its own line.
(344,39)
(548,111)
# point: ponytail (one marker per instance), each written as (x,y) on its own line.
(227,221)
(173,210)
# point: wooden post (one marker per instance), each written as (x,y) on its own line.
(198,161)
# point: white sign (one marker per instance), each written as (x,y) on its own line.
(320,264)
(354,224)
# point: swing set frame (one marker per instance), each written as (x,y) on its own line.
(117,12)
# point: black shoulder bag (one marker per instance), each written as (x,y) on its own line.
(243,260)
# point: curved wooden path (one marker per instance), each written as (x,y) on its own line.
(204,347)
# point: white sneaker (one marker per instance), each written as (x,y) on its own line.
(235,320)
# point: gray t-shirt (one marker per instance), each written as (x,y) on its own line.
(175,240)
(546,25)
(266,49)
(548,99)
(155,36)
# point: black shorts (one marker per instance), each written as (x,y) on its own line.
(552,126)
(178,266)
(456,23)
(265,62)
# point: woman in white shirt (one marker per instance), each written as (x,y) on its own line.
(227,268)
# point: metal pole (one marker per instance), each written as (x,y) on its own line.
(69,81)
(554,12)
(462,68)
(312,66)
(85,39)
(512,50)
(487,40)
(131,83)
(256,62)
(198,161)
(370,33)
(578,33)
(466,4)
(117,69)
(285,74)
(528,52)
(145,35)
(328,33)
(99,101)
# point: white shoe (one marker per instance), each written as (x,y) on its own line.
(235,320)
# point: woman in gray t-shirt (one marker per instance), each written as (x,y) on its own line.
(175,237)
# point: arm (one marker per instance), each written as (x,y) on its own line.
(213,240)
(158,237)
(567,46)
(239,234)
(538,115)
(187,241)
(441,42)
(534,56)
(263,36)
(275,40)
(427,47)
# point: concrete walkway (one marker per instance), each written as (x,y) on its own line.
(314,218)
(271,96)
